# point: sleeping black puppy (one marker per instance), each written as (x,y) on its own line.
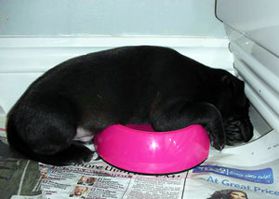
(80,97)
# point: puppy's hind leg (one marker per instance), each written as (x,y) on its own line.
(177,113)
(43,130)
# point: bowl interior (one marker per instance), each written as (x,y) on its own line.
(141,127)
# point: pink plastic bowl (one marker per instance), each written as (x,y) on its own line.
(139,149)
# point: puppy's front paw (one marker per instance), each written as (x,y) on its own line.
(217,139)
(218,143)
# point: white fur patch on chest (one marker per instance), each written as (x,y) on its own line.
(83,135)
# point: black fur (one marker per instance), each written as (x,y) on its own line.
(141,84)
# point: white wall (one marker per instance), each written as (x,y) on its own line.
(109,17)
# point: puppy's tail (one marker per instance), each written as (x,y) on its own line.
(45,133)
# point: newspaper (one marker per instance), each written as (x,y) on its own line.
(246,171)
(18,176)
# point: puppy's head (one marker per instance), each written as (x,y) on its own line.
(234,107)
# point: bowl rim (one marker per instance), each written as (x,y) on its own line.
(123,127)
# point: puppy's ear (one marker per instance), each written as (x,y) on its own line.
(236,86)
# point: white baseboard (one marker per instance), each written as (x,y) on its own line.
(23,59)
(39,54)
